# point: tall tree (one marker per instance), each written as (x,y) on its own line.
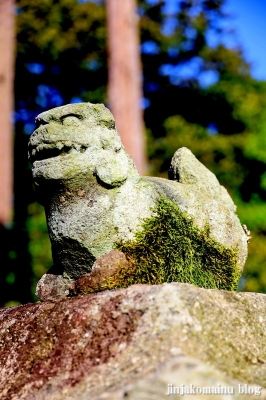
(124,83)
(7,41)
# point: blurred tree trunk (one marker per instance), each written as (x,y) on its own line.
(124,83)
(7,41)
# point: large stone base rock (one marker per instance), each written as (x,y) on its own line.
(132,343)
(184,377)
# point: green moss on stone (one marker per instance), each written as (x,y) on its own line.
(170,248)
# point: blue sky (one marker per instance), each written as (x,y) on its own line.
(248,20)
(248,17)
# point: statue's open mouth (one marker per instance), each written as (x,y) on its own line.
(45,151)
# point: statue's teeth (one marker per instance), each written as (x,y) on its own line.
(59,145)
(77,146)
(72,151)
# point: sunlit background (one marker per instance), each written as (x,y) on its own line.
(248,21)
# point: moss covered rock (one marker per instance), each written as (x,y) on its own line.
(171,248)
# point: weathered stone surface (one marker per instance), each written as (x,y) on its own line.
(190,378)
(133,341)
(94,197)
(54,287)
(104,267)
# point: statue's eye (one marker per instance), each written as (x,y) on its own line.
(70,120)
(39,122)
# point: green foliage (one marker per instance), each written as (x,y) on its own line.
(39,243)
(61,53)
(256,144)
(59,26)
(254,278)
(170,248)
(217,152)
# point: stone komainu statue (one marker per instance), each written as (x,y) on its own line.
(94,197)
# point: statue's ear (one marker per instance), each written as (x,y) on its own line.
(112,168)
